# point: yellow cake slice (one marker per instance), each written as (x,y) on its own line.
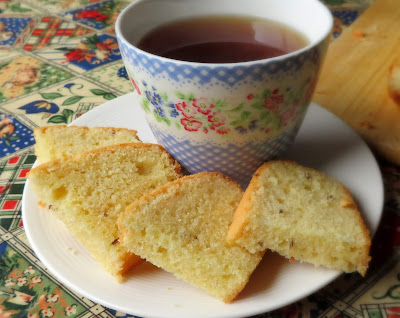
(302,214)
(88,192)
(182,227)
(54,142)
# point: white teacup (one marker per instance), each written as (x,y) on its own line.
(226,117)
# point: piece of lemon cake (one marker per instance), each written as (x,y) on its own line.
(304,215)
(182,227)
(88,192)
(54,142)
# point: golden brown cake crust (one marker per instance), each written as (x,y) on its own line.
(242,214)
(111,148)
(53,142)
(43,129)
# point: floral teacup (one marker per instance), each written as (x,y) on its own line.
(232,117)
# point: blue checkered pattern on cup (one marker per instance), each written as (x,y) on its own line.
(203,74)
(238,162)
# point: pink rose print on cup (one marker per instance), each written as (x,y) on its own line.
(274,102)
(250,96)
(191,125)
(216,119)
(222,131)
(203,105)
(266,111)
(187,110)
(135,86)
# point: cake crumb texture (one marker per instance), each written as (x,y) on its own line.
(88,192)
(303,214)
(182,228)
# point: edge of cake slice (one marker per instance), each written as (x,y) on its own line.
(60,141)
(182,227)
(302,214)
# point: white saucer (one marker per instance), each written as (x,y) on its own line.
(324,142)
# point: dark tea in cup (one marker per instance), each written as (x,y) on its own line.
(222,39)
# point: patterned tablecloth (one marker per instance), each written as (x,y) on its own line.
(58,60)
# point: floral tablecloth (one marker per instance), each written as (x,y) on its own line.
(58,60)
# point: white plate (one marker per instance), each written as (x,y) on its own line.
(324,142)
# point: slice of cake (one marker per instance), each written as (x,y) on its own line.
(88,192)
(54,142)
(304,215)
(182,228)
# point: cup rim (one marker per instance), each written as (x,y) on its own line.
(211,65)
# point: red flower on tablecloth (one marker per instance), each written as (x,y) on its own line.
(94,50)
(80,55)
(191,125)
(91,14)
(75,55)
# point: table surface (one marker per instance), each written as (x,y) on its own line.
(49,77)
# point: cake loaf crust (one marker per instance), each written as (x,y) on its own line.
(54,142)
